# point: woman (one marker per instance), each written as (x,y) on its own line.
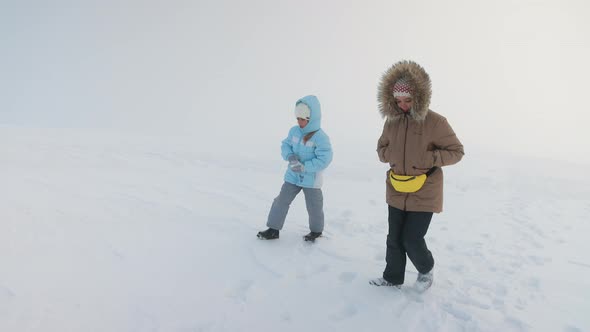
(308,150)
(416,142)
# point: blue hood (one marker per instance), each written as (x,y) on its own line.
(316,113)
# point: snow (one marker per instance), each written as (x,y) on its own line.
(146,220)
(104,231)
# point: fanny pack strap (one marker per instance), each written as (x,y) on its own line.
(432,170)
(402,180)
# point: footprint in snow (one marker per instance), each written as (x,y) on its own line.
(538,260)
(344,312)
(458,268)
(379,257)
(285,317)
(5,292)
(239,290)
(347,276)
(457,313)
(570,328)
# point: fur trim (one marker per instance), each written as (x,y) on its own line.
(417,78)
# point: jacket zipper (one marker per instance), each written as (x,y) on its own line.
(405,144)
(300,175)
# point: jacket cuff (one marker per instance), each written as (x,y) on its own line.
(437,160)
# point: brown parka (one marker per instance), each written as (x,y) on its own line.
(413,142)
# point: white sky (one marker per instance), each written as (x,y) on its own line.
(508,75)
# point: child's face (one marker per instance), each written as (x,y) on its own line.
(405,103)
(302,122)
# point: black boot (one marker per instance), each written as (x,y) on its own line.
(269,234)
(312,236)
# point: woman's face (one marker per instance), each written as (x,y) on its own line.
(302,122)
(405,103)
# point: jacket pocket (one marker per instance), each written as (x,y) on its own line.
(425,169)
(426,162)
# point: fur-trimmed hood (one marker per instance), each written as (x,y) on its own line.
(417,78)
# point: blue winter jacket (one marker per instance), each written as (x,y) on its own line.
(315,155)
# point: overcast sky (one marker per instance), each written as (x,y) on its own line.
(509,75)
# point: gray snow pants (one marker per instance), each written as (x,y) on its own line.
(314,200)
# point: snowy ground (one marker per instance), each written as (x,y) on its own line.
(103,232)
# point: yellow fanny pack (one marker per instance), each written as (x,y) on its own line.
(409,183)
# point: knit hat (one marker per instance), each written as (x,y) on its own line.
(402,88)
(302,111)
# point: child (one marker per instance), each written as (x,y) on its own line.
(307,149)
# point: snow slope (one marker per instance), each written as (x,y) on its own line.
(111,232)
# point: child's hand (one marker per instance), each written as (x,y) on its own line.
(296,167)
